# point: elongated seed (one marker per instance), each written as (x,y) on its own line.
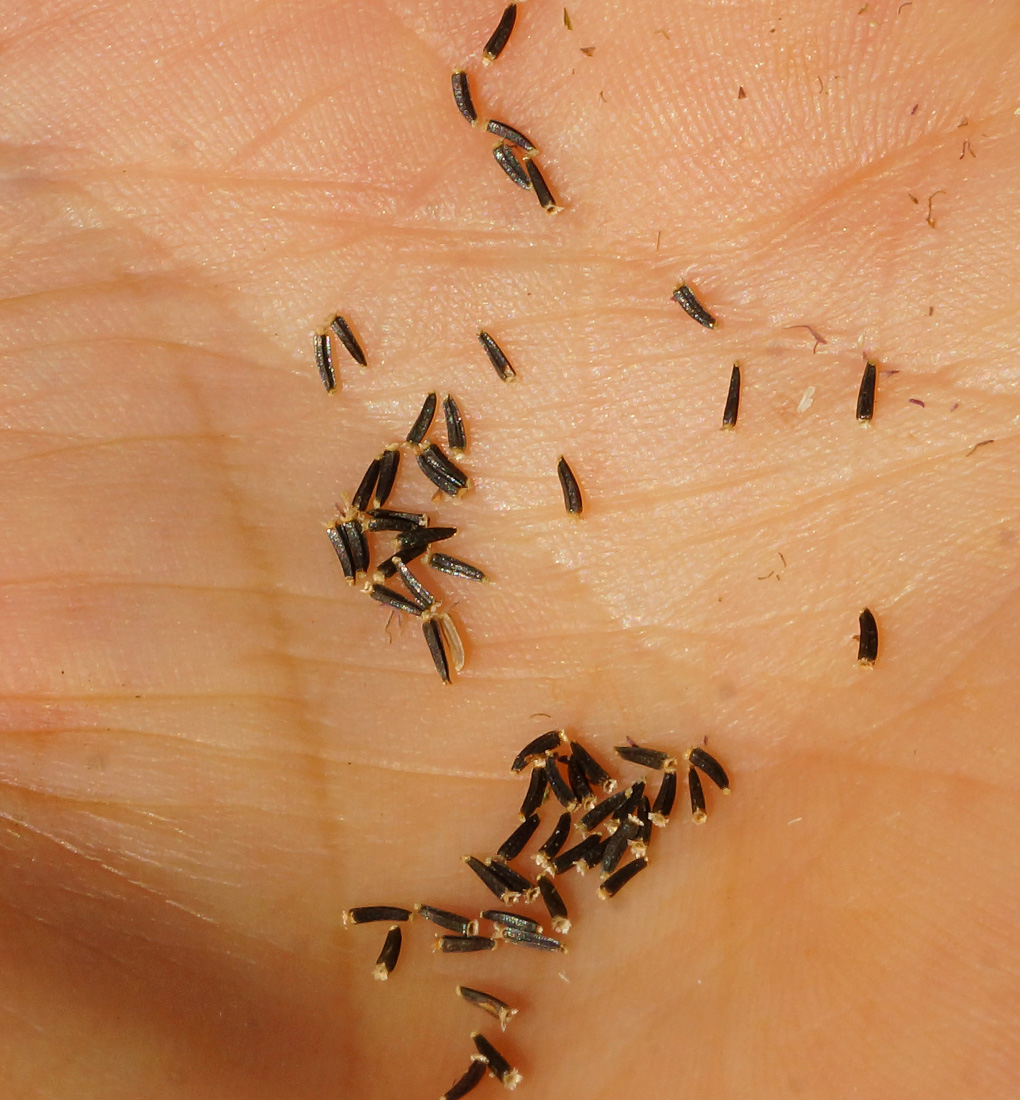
(452,640)
(554,903)
(456,437)
(685,297)
(535,794)
(729,417)
(532,939)
(497,357)
(389,461)
(867,649)
(343,551)
(386,519)
(388,568)
(542,192)
(446,476)
(580,851)
(634,791)
(455,567)
(571,490)
(514,881)
(454,922)
(616,881)
(454,944)
(579,782)
(462,96)
(646,758)
(557,838)
(511,920)
(368,914)
(593,770)
(324,361)
(346,337)
(423,421)
(616,846)
(434,640)
(557,784)
(540,746)
(508,160)
(866,394)
(491,882)
(514,844)
(419,593)
(424,536)
(487,1002)
(363,496)
(467,1081)
(663,805)
(389,954)
(393,599)
(703,760)
(354,533)
(501,35)
(498,1065)
(607,806)
(697,793)
(505,132)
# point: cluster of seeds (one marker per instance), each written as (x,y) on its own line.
(414,538)
(514,152)
(615,835)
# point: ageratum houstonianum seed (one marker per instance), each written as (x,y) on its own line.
(866,394)
(389,461)
(324,361)
(437,650)
(514,844)
(729,419)
(686,299)
(508,160)
(539,746)
(389,955)
(489,1003)
(462,96)
(571,490)
(368,914)
(346,337)
(467,1081)
(505,132)
(456,437)
(616,881)
(704,761)
(497,357)
(501,35)
(453,922)
(423,421)
(454,567)
(363,496)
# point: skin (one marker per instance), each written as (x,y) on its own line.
(212,746)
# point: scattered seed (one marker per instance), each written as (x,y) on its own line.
(501,35)
(388,568)
(508,133)
(386,519)
(511,920)
(462,96)
(532,939)
(646,758)
(463,926)
(557,784)
(684,296)
(596,774)
(663,805)
(554,903)
(393,599)
(354,534)
(423,421)
(455,567)
(489,879)
(514,844)
(634,795)
(434,640)
(697,797)
(446,476)
(363,496)
(368,914)
(542,192)
(557,838)
(515,882)
(867,650)
(571,490)
(450,945)
(456,437)
(387,960)
(866,395)
(343,551)
(451,638)
(597,814)
(419,593)
(468,1080)
(508,160)
(498,1065)
(579,784)
(616,847)
(616,881)
(389,461)
(324,361)
(535,794)
(729,416)
(705,762)
(343,333)
(542,745)
(496,1008)
(502,365)
(580,851)
(425,536)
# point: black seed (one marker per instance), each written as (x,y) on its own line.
(367,914)
(393,599)
(419,593)
(697,796)
(532,939)
(363,496)
(542,745)
(616,846)
(535,794)
(343,551)
(385,519)
(729,416)
(487,1003)
(423,421)
(557,838)
(581,851)
(867,650)
(646,758)
(445,919)
(571,490)
(554,903)
(684,296)
(542,192)
(507,159)
(502,366)
(387,960)
(462,96)
(615,883)
(447,477)
(708,764)
(455,567)
(425,536)
(866,395)
(593,857)
(644,815)
(499,1066)
(635,793)
(557,784)
(462,944)
(354,533)
(579,782)
(500,36)
(324,361)
(343,333)
(505,132)
(389,567)
(514,844)
(514,881)
(434,640)
(494,884)
(389,460)
(664,800)
(594,771)
(466,1082)
(607,806)
(511,920)
(456,437)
